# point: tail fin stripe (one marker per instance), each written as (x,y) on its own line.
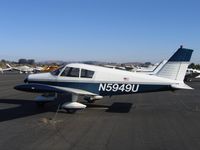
(182,55)
(176,66)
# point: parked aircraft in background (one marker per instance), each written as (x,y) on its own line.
(6,69)
(25,69)
(22,69)
(94,82)
(146,70)
(49,68)
(153,70)
(38,69)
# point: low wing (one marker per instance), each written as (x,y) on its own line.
(43,88)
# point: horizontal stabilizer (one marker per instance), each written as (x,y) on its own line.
(181,86)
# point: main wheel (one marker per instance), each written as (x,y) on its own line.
(91,101)
(40,104)
(71,111)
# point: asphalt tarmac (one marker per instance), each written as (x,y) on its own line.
(151,121)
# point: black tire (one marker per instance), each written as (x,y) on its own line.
(40,104)
(91,101)
(71,111)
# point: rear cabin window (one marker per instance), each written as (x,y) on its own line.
(71,72)
(86,73)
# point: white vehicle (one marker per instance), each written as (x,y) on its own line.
(197,77)
(197,72)
(192,74)
(95,82)
(25,69)
(190,70)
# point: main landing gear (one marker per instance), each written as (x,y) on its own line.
(71,106)
(45,98)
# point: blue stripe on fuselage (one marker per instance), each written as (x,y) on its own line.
(95,87)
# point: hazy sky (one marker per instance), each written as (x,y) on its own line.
(103,30)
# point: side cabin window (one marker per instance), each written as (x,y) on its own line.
(86,73)
(71,72)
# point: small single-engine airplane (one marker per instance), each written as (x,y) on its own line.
(21,69)
(94,82)
(25,69)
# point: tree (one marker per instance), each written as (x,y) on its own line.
(3,61)
(192,65)
(31,61)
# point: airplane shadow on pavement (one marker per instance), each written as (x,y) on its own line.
(19,108)
(22,109)
(120,107)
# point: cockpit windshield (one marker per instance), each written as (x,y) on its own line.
(57,71)
(71,72)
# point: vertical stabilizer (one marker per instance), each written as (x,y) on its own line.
(159,67)
(177,65)
(8,66)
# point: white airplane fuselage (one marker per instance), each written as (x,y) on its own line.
(105,81)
